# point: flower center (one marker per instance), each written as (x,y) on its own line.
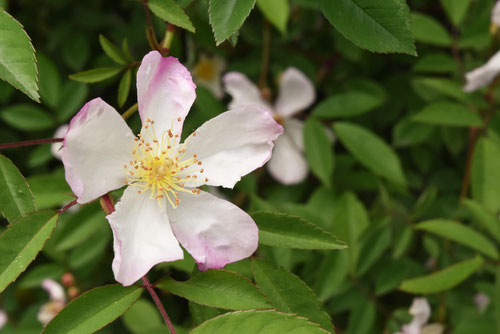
(205,69)
(161,166)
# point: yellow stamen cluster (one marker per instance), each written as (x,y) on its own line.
(161,166)
(205,69)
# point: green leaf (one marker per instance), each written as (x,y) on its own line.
(362,317)
(169,10)
(448,113)
(444,279)
(142,317)
(276,11)
(17,57)
(112,50)
(16,199)
(496,300)
(456,10)
(96,74)
(22,241)
(350,222)
(94,309)
(218,288)
(283,230)
(485,217)
(319,150)
(50,81)
(446,87)
(227,16)
(435,63)
(371,151)
(50,190)
(485,175)
(124,88)
(409,133)
(262,322)
(349,104)
(79,227)
(73,96)
(35,277)
(290,294)
(375,25)
(427,30)
(461,234)
(27,117)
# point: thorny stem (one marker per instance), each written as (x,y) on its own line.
(158,303)
(31,143)
(169,36)
(266,45)
(108,206)
(130,111)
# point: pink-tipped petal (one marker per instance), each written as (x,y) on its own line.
(165,92)
(243,91)
(296,92)
(232,145)
(483,75)
(96,146)
(214,231)
(142,236)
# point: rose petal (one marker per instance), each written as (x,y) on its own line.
(483,75)
(96,146)
(55,148)
(296,92)
(232,145)
(288,164)
(214,231)
(421,311)
(243,91)
(165,92)
(142,236)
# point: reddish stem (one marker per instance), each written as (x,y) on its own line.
(31,143)
(158,303)
(69,205)
(109,207)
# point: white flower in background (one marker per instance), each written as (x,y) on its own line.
(57,301)
(483,75)
(482,301)
(421,312)
(162,204)
(55,148)
(3,318)
(296,93)
(207,72)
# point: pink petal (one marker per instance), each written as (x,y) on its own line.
(232,145)
(214,231)
(296,92)
(495,13)
(165,92)
(142,236)
(96,146)
(483,75)
(243,91)
(288,164)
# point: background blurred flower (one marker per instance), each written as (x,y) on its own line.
(3,318)
(421,312)
(56,303)
(296,93)
(207,72)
